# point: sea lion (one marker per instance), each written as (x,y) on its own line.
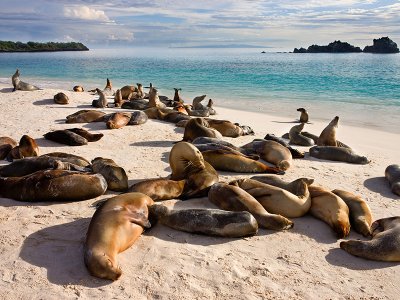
(6,144)
(27,147)
(295,153)
(127,90)
(140,104)
(20,85)
(196,103)
(177,97)
(210,107)
(159,189)
(66,137)
(187,162)
(61,98)
(71,158)
(331,209)
(226,128)
(85,116)
(139,94)
(154,100)
(392,174)
(224,148)
(328,135)
(274,153)
(102,101)
(78,88)
(303,115)
(229,197)
(91,137)
(114,227)
(360,213)
(179,107)
(277,200)
(338,154)
(210,140)
(172,117)
(153,112)
(138,118)
(295,187)
(214,222)
(118,99)
(118,120)
(196,113)
(115,175)
(53,185)
(108,91)
(197,127)
(296,138)
(385,243)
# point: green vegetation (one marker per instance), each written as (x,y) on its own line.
(8,46)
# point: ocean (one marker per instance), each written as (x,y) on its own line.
(363,89)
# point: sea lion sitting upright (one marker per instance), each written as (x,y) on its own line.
(86,116)
(27,147)
(338,154)
(61,98)
(20,85)
(78,88)
(6,145)
(303,115)
(118,99)
(198,127)
(115,175)
(154,100)
(177,97)
(101,102)
(392,174)
(214,222)
(328,135)
(296,138)
(108,91)
(114,227)
(385,243)
(139,94)
(210,107)
(196,105)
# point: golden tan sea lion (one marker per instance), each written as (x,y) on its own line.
(118,99)
(295,153)
(115,175)
(27,147)
(159,189)
(61,98)
(197,127)
(127,90)
(20,85)
(226,128)
(207,221)
(172,116)
(118,120)
(102,101)
(78,88)
(385,243)
(328,135)
(331,209)
(114,227)
(230,197)
(360,213)
(6,145)
(85,116)
(154,100)
(274,153)
(392,174)
(303,115)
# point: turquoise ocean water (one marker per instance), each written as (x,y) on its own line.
(363,89)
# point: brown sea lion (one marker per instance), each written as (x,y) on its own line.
(66,137)
(27,147)
(71,158)
(53,185)
(303,115)
(127,90)
(118,120)
(138,118)
(115,175)
(328,135)
(385,243)
(78,88)
(331,209)
(295,153)
(85,116)
(196,105)
(6,144)
(177,97)
(226,128)
(172,117)
(274,153)
(114,227)
(197,127)
(118,99)
(102,101)
(360,213)
(295,187)
(160,188)
(224,146)
(277,200)
(296,138)
(139,104)
(20,85)
(91,137)
(208,140)
(154,100)
(392,174)
(61,98)
(230,197)
(108,90)
(214,222)
(338,154)
(139,94)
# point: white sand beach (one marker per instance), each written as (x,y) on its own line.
(41,244)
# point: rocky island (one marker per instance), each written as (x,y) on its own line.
(8,46)
(382,45)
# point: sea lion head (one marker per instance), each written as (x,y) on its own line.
(103,266)
(301,109)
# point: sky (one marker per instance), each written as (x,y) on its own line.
(280,25)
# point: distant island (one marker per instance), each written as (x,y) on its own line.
(8,46)
(382,45)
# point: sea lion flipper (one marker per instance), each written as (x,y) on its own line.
(140,219)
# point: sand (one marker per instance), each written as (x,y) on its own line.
(41,244)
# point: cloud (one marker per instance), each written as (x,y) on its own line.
(85,13)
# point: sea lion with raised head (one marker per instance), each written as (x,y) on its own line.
(86,116)
(230,197)
(213,222)
(338,154)
(102,101)
(154,100)
(118,120)
(328,135)
(196,105)
(53,185)
(91,137)
(160,188)
(360,213)
(210,107)
(331,209)
(296,138)
(295,153)
(139,94)
(177,97)
(6,145)
(115,175)
(78,88)
(385,243)
(61,98)
(108,90)
(20,85)
(66,137)
(114,227)
(303,115)
(392,174)
(197,127)
(27,147)
(118,101)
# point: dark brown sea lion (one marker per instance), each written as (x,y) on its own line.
(177,97)
(66,137)
(229,197)
(296,138)
(172,117)
(197,127)
(208,140)
(108,90)
(214,222)
(331,209)
(385,243)
(303,115)
(115,175)
(6,144)
(328,135)
(295,153)
(27,147)
(91,137)
(61,98)
(20,85)
(118,99)
(118,120)
(360,213)
(392,174)
(86,116)
(102,101)
(140,104)
(160,188)
(114,227)
(71,158)
(337,154)
(138,118)
(77,88)
(53,185)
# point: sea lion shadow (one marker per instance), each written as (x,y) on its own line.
(59,249)
(290,122)
(313,228)
(94,126)
(6,90)
(7,202)
(339,257)
(42,142)
(179,130)
(159,144)
(44,102)
(85,106)
(380,185)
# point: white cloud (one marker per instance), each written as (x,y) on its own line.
(85,13)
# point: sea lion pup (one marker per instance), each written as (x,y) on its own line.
(187,162)
(154,100)
(118,99)
(71,158)
(139,94)
(213,222)
(114,227)
(53,185)
(91,137)
(338,154)
(296,138)
(360,213)
(102,101)
(295,153)
(27,147)
(118,120)
(61,98)
(328,135)
(331,209)
(138,118)
(392,174)
(159,189)
(385,243)
(66,137)
(177,97)
(303,115)
(230,197)
(78,88)
(277,200)
(6,145)
(115,175)
(20,85)
(86,116)
(172,116)
(197,127)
